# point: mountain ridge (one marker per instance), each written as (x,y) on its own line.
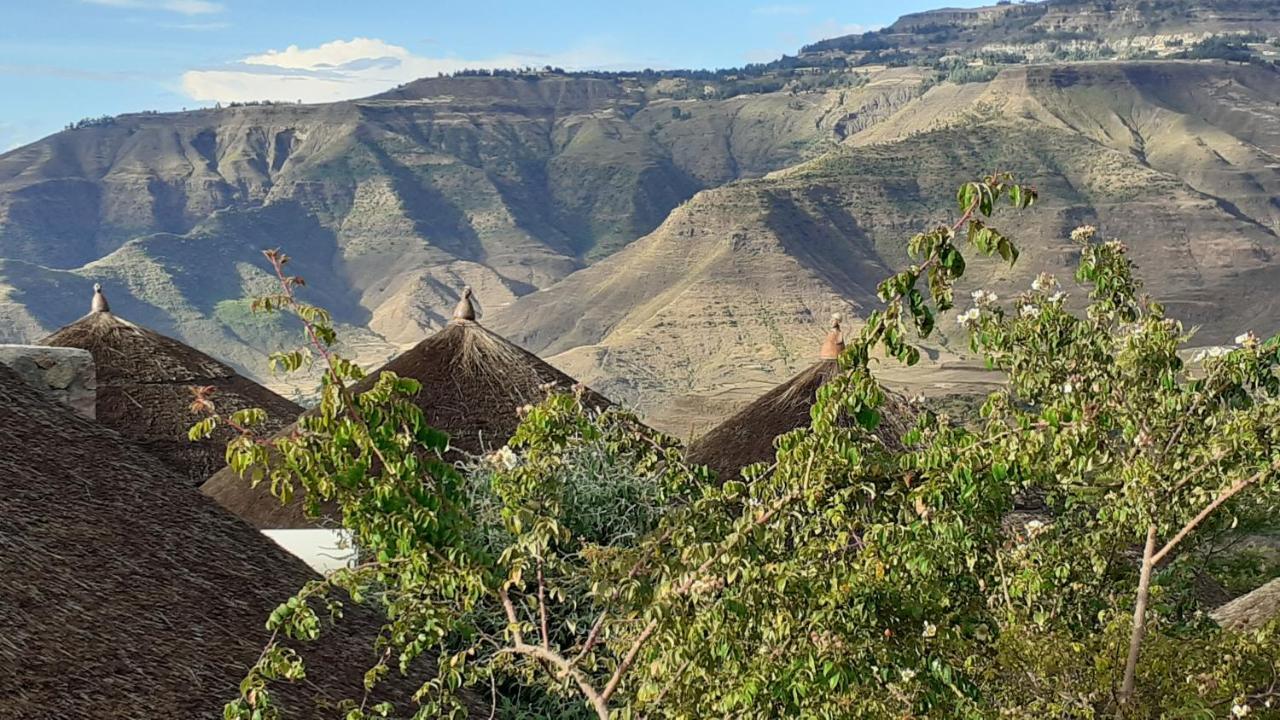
(533,186)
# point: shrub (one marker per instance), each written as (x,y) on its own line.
(1219,47)
(1042,562)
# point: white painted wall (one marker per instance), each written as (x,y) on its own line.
(323,550)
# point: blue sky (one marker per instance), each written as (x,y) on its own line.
(61,60)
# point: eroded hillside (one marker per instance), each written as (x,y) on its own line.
(764,197)
(392,203)
(732,292)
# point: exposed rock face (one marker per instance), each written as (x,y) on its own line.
(387,204)
(809,179)
(725,297)
(64,374)
(1039,28)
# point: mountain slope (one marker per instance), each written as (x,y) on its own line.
(389,204)
(732,291)
(770,195)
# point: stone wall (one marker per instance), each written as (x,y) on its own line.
(66,375)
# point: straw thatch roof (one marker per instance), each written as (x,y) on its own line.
(129,595)
(473,381)
(748,436)
(1252,610)
(144,389)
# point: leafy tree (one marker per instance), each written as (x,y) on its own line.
(1043,561)
(1222,47)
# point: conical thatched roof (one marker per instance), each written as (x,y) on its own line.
(1252,610)
(747,437)
(473,381)
(144,389)
(129,595)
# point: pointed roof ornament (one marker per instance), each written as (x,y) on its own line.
(465,309)
(99,304)
(833,345)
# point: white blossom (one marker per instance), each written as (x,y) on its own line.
(984,298)
(1057,297)
(1030,311)
(505,458)
(1247,340)
(930,630)
(1083,233)
(1044,282)
(908,675)
(1216,351)
(1067,387)
(1240,710)
(969,318)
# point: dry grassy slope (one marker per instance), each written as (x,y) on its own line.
(391,204)
(729,295)
(1217,128)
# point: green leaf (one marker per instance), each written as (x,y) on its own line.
(868,418)
(1006,249)
(966,196)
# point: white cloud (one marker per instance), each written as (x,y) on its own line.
(329,55)
(345,69)
(832,29)
(183,7)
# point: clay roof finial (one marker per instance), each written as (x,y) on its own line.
(465,309)
(99,304)
(833,345)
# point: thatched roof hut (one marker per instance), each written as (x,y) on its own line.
(748,436)
(129,595)
(473,381)
(144,389)
(1252,610)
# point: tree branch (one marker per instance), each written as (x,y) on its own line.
(542,608)
(512,621)
(628,660)
(1217,502)
(598,702)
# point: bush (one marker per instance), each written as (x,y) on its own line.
(1042,562)
(1219,47)
(982,73)
(91,122)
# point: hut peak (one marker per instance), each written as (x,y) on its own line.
(143,389)
(472,384)
(99,304)
(833,345)
(465,309)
